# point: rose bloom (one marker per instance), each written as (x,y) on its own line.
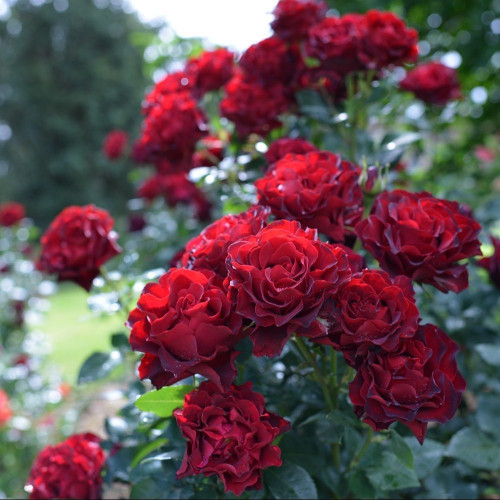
(281,147)
(171,130)
(293,18)
(71,469)
(280,279)
(318,189)
(421,237)
(229,434)
(372,310)
(323,79)
(211,70)
(5,410)
(114,144)
(272,60)
(433,83)
(334,41)
(385,40)
(173,83)
(209,249)
(417,383)
(77,243)
(185,324)
(11,213)
(252,107)
(492,264)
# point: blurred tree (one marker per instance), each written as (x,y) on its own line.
(69,73)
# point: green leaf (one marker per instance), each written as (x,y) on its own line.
(312,105)
(401,449)
(391,474)
(163,401)
(147,449)
(146,488)
(427,457)
(290,481)
(359,485)
(98,365)
(120,341)
(488,411)
(475,449)
(490,353)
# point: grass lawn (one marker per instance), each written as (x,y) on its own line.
(74,331)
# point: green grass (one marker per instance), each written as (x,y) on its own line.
(75,332)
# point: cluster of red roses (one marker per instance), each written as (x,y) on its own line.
(175,135)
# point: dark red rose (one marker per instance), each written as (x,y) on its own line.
(293,18)
(421,237)
(210,152)
(280,279)
(136,223)
(492,264)
(372,310)
(385,40)
(272,60)
(335,41)
(114,144)
(77,243)
(173,83)
(171,130)
(229,434)
(11,213)
(5,410)
(209,249)
(323,79)
(211,70)
(416,384)
(356,262)
(318,189)
(185,324)
(151,188)
(281,147)
(433,83)
(252,107)
(71,469)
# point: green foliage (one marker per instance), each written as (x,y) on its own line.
(65,77)
(163,401)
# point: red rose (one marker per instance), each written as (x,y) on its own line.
(11,213)
(209,249)
(385,40)
(318,189)
(334,41)
(416,384)
(492,264)
(252,107)
(230,435)
(5,410)
(210,152)
(293,18)
(185,324)
(71,469)
(173,83)
(280,279)
(211,70)
(372,310)
(272,60)
(421,237)
(114,144)
(77,243)
(281,147)
(171,130)
(433,83)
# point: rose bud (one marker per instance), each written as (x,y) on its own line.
(229,434)
(71,469)
(415,384)
(114,144)
(421,237)
(77,243)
